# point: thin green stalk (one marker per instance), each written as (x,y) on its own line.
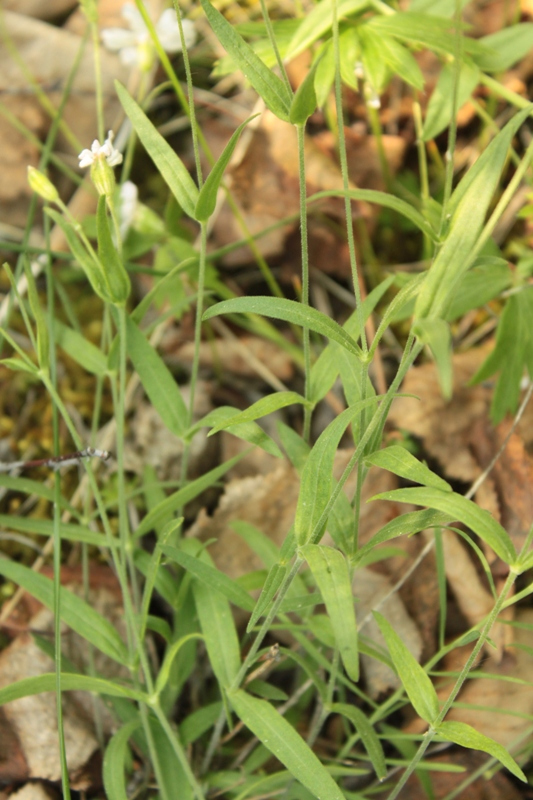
(345,177)
(152,749)
(197,342)
(274,44)
(452,131)
(423,170)
(57,544)
(433,730)
(99,95)
(375,125)
(503,92)
(300,129)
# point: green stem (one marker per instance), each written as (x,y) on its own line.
(433,730)
(300,129)
(180,753)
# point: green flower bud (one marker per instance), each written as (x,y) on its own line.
(42,186)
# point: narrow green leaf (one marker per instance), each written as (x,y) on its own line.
(468,207)
(458,507)
(286,744)
(405,525)
(317,478)
(382,199)
(80,349)
(327,366)
(290,311)
(325,74)
(304,101)
(437,335)
(211,577)
(70,681)
(218,627)
(403,463)
(43,338)
(274,92)
(89,263)
(45,527)
(116,277)
(401,62)
(318,21)
(430,31)
(367,733)
(330,571)
(115,756)
(157,380)
(248,431)
(184,496)
(75,612)
(208,193)
(18,365)
(166,160)
(441,103)
(170,654)
(274,580)
(466,736)
(266,405)
(414,679)
(506,47)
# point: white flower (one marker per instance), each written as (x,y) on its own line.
(132,45)
(100,151)
(128,202)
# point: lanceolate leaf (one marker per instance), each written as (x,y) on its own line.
(286,744)
(367,733)
(466,511)
(403,463)
(114,761)
(77,614)
(415,681)
(208,193)
(166,160)
(70,681)
(316,483)
(274,92)
(290,311)
(157,380)
(466,736)
(330,570)
(468,207)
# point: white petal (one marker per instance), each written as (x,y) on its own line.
(86,158)
(133,17)
(115,39)
(129,56)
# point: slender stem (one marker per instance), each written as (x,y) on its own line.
(344,170)
(452,131)
(273,42)
(57,547)
(300,129)
(433,730)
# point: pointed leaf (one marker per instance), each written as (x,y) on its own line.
(466,511)
(218,627)
(318,21)
(208,193)
(290,311)
(403,463)
(286,744)
(166,160)
(468,207)
(116,277)
(114,761)
(211,577)
(317,477)
(414,679)
(261,408)
(75,612)
(276,95)
(70,682)
(304,101)
(437,335)
(157,380)
(330,571)
(466,736)
(367,733)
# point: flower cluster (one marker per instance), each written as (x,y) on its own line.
(100,151)
(135,47)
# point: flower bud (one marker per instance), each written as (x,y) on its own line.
(103,177)
(42,186)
